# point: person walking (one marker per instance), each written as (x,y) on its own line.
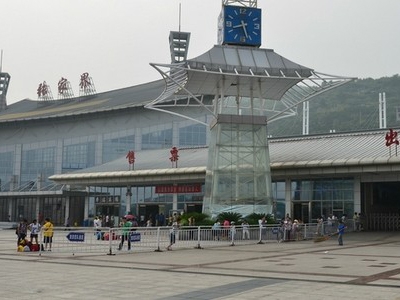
(48,232)
(172,235)
(340,231)
(126,228)
(356,219)
(97,227)
(216,230)
(232,233)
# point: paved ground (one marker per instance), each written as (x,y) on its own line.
(366,267)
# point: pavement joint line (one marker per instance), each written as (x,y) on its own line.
(246,266)
(378,276)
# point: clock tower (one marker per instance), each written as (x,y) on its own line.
(239,23)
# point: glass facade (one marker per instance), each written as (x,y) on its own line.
(78,156)
(326,196)
(116,147)
(278,194)
(248,187)
(37,161)
(6,169)
(192,135)
(238,176)
(156,138)
(144,201)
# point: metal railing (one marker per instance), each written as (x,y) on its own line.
(73,240)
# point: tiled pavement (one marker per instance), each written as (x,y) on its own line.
(366,267)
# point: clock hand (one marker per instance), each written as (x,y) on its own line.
(244,28)
(236,26)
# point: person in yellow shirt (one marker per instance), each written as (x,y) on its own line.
(48,234)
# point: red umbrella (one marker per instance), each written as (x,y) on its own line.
(129,217)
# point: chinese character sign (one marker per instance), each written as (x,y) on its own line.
(85,81)
(391,138)
(174,156)
(42,89)
(131,158)
(62,85)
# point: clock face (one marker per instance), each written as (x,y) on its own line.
(242,26)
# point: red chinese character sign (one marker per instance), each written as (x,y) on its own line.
(86,85)
(44,92)
(131,159)
(62,85)
(391,138)
(64,89)
(174,157)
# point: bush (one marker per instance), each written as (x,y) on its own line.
(199,219)
(254,217)
(230,216)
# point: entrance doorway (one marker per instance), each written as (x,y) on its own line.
(148,212)
(112,211)
(301,211)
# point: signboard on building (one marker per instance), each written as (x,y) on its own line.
(178,189)
(106,200)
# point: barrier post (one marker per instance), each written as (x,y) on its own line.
(260,240)
(233,233)
(110,238)
(198,238)
(158,240)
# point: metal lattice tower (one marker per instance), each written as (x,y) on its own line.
(247,3)
(4,83)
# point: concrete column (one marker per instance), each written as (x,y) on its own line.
(67,203)
(175,200)
(128,200)
(37,208)
(357,195)
(288,200)
(86,211)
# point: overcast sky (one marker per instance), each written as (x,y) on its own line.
(115,40)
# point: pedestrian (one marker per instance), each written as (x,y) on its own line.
(48,232)
(320,223)
(356,219)
(34,228)
(125,236)
(232,233)
(340,231)
(97,227)
(22,231)
(216,230)
(172,235)
(226,225)
(245,230)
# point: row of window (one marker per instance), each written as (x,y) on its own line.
(82,155)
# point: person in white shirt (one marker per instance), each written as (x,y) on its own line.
(245,232)
(97,227)
(34,228)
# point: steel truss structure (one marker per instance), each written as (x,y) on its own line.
(243,88)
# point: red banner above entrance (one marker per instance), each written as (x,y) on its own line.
(178,189)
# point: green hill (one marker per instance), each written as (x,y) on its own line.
(351,107)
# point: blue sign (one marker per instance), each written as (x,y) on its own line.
(275,230)
(76,237)
(135,237)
